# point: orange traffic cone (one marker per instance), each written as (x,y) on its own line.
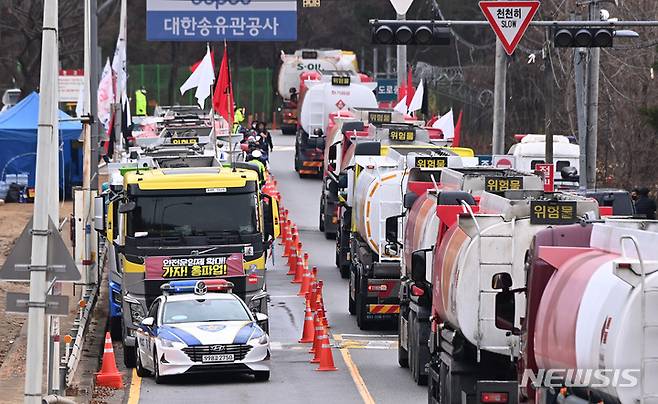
(292,263)
(109,375)
(308,334)
(319,304)
(312,296)
(305,288)
(286,245)
(315,348)
(284,229)
(326,356)
(299,272)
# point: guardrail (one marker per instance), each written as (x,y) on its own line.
(73,348)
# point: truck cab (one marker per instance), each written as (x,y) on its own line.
(188,223)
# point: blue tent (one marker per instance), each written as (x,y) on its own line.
(18,143)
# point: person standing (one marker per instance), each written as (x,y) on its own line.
(140,102)
(645,206)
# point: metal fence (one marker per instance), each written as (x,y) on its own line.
(253,87)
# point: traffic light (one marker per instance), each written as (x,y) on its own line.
(408,33)
(569,37)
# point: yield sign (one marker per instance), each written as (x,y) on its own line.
(509,20)
(401,6)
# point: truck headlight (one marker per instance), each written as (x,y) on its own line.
(136,313)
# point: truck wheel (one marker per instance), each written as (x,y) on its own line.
(115,328)
(129,356)
(361,314)
(297,163)
(345,270)
(350,303)
(403,355)
(414,357)
(321,225)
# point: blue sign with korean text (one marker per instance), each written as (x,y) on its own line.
(219,20)
(387,90)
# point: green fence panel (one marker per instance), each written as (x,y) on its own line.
(253,87)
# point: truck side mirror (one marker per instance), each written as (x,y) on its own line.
(392,230)
(505,302)
(99,214)
(409,199)
(505,307)
(270,216)
(127,207)
(501,281)
(342,180)
(418,265)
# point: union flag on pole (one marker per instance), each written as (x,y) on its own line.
(223,97)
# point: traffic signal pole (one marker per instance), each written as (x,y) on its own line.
(402,60)
(592,104)
(591,34)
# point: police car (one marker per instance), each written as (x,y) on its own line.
(200,326)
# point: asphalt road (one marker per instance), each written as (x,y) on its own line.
(367,371)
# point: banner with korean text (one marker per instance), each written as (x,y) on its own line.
(219,20)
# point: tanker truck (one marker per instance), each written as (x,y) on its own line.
(346,149)
(345,128)
(374,195)
(332,92)
(292,71)
(472,356)
(591,295)
(295,66)
(421,224)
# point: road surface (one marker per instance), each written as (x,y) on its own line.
(368,370)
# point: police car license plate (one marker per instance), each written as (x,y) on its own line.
(217,358)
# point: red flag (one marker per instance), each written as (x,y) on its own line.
(223,97)
(458,130)
(212,58)
(410,88)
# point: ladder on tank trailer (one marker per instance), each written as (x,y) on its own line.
(316,117)
(649,325)
(503,243)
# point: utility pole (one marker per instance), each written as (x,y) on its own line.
(500,95)
(375,62)
(94,73)
(387,65)
(46,135)
(549,84)
(593,102)
(580,69)
(402,59)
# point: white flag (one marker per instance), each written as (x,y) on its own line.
(402,106)
(202,78)
(105,95)
(417,101)
(119,59)
(447,125)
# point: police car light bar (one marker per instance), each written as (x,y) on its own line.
(198,287)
